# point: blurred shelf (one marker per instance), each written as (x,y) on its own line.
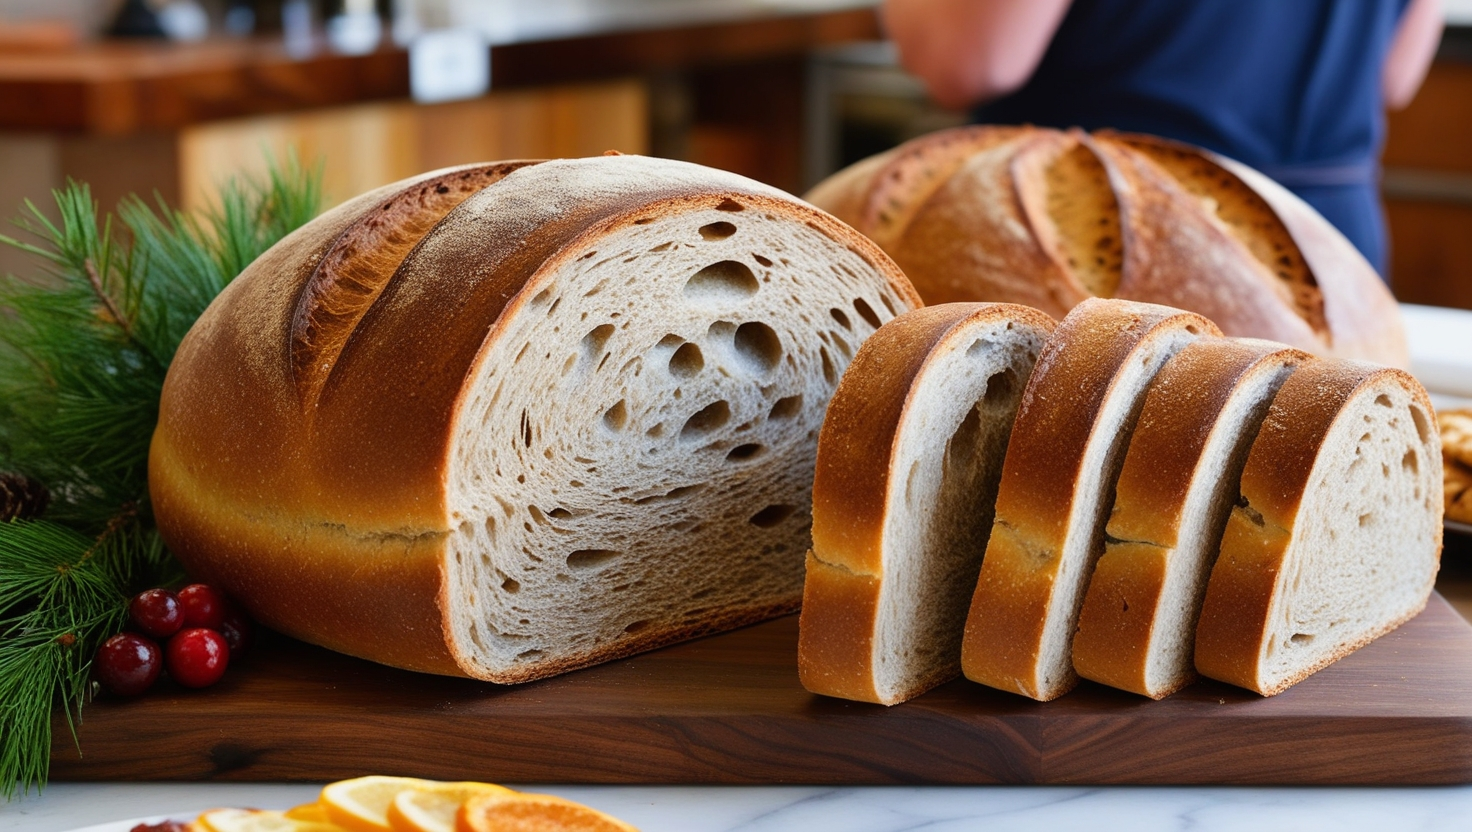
(118,89)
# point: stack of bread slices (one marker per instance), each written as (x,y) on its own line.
(1127,496)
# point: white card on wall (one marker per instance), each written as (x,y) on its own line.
(449,64)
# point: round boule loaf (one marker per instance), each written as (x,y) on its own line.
(513,419)
(1048,218)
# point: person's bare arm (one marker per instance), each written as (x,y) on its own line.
(967,51)
(1416,38)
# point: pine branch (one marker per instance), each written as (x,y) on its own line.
(83,354)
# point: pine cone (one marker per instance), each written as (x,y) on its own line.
(21,498)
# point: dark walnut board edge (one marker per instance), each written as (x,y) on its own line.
(729,709)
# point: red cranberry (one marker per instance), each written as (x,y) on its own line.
(197,657)
(127,664)
(204,606)
(237,631)
(157,612)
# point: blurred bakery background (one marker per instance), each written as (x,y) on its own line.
(172,96)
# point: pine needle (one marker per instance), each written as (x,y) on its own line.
(84,348)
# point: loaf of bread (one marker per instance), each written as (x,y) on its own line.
(1137,629)
(1065,453)
(514,419)
(908,463)
(1336,535)
(1049,218)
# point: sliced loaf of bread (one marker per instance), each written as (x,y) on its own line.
(1137,629)
(908,465)
(510,420)
(1066,450)
(1336,536)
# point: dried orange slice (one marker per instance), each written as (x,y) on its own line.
(432,807)
(361,804)
(314,812)
(257,820)
(532,813)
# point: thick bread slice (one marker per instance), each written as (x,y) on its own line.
(1137,630)
(1057,487)
(1336,537)
(908,464)
(572,418)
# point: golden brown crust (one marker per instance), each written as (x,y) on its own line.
(1180,416)
(1199,232)
(365,463)
(1040,476)
(1235,616)
(852,485)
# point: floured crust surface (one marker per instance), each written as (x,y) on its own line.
(1048,218)
(934,392)
(1337,534)
(378,450)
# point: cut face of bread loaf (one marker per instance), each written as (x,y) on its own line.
(1336,536)
(1066,449)
(908,464)
(1137,629)
(565,415)
(1049,218)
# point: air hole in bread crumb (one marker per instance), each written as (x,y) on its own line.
(585,560)
(772,515)
(528,655)
(730,205)
(560,513)
(717,231)
(758,347)
(661,247)
(741,453)
(1366,518)
(841,318)
(686,361)
(829,373)
(636,626)
(762,260)
(786,407)
(537,515)
(655,432)
(1423,425)
(1411,462)
(709,418)
(1383,400)
(511,585)
(866,312)
(595,340)
(614,418)
(722,282)
(542,297)
(1301,639)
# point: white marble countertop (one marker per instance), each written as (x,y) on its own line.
(68,806)
(1441,347)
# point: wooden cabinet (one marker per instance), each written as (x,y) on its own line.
(1428,190)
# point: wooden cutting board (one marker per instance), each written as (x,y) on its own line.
(729,709)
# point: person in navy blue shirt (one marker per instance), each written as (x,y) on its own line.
(1294,88)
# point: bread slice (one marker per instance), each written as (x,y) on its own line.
(1336,537)
(568,415)
(1137,629)
(908,464)
(1057,487)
